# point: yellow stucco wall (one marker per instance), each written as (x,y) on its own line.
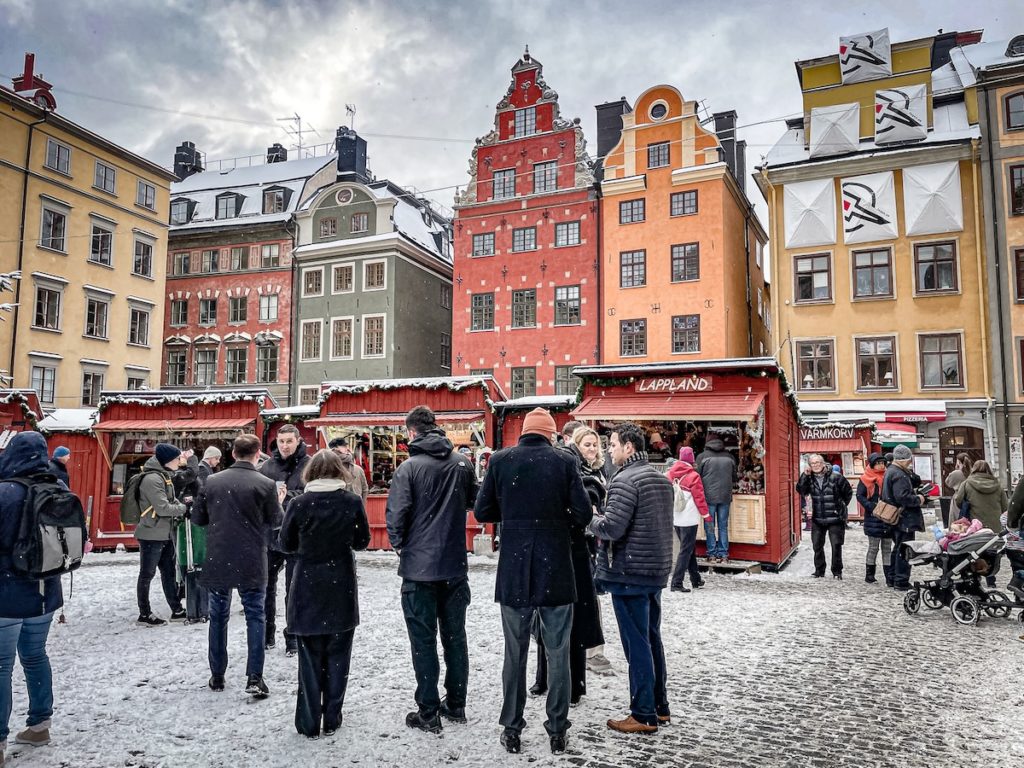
(1013,227)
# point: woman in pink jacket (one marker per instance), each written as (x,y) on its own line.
(689,508)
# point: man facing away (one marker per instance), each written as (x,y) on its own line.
(430,494)
(634,569)
(535,491)
(237,506)
(717,469)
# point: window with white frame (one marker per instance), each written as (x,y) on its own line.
(206,367)
(97,313)
(373,336)
(135,383)
(760,302)
(313,282)
(271,255)
(310,339)
(142,265)
(145,195)
(179,312)
(182,262)
(238,309)
(177,365)
(341,338)
(360,223)
(483,245)
(105,178)
(92,385)
(328,226)
(374,275)
(208,311)
(47,309)
(44,381)
(227,206)
(567,305)
(239,258)
(268,307)
(53,229)
(101,245)
(567,233)
(524,239)
(343,278)
(237,365)
(309,395)
(525,122)
(273,201)
(138,327)
(266,364)
(504,184)
(210,262)
(58,157)
(179,212)
(545,177)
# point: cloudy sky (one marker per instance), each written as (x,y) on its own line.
(425,74)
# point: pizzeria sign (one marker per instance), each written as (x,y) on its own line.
(674,384)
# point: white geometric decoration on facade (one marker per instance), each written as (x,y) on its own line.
(835,130)
(901,114)
(809,210)
(865,57)
(931,199)
(869,208)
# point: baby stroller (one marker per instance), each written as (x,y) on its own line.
(959,585)
(1015,556)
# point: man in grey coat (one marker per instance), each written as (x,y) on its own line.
(633,566)
(155,533)
(717,469)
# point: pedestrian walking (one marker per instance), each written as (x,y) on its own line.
(59,464)
(879,533)
(985,500)
(430,494)
(830,494)
(27,605)
(535,491)
(898,489)
(717,469)
(237,507)
(634,568)
(359,485)
(285,466)
(689,508)
(155,533)
(961,472)
(321,529)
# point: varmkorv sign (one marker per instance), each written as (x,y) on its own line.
(826,433)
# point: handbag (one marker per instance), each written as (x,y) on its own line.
(887,513)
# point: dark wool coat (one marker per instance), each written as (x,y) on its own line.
(898,489)
(321,528)
(58,470)
(20,596)
(289,471)
(203,472)
(430,494)
(586,617)
(534,490)
(873,527)
(237,506)
(830,493)
(637,524)
(717,470)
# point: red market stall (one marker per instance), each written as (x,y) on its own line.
(843,444)
(370,416)
(512,414)
(747,402)
(298,416)
(72,428)
(19,411)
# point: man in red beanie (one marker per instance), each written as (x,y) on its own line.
(535,491)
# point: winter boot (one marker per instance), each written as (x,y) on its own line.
(35,735)
(256,687)
(869,574)
(431,724)
(887,571)
(448,712)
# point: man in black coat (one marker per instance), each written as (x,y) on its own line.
(237,506)
(59,464)
(898,489)
(430,493)
(830,493)
(209,464)
(535,491)
(285,466)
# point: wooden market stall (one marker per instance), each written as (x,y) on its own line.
(298,416)
(747,402)
(72,428)
(19,411)
(370,416)
(512,414)
(843,444)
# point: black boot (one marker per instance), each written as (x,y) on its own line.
(869,574)
(887,571)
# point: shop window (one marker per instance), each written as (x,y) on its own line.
(813,278)
(683,203)
(54,229)
(210,262)
(446,350)
(313,282)
(266,364)
(238,309)
(341,338)
(96,313)
(375,276)
(632,269)
(268,308)
(179,312)
(310,340)
(145,195)
(47,310)
(567,305)
(631,211)
(1017,190)
(876,363)
(58,157)
(92,385)
(658,155)
(525,122)
(44,382)
(176,367)
(633,337)
(815,360)
(100,245)
(360,223)
(328,226)
(524,382)
(567,233)
(1015,111)
(270,256)
(373,336)
(343,280)
(524,308)
(685,262)
(524,239)
(504,184)
(483,245)
(207,311)
(142,265)
(482,312)
(181,263)
(685,334)
(545,177)
(237,365)
(565,382)
(941,361)
(872,273)
(935,267)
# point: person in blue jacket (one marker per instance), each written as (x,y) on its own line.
(26,605)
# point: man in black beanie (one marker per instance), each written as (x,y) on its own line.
(155,532)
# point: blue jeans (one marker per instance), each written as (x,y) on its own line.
(27,639)
(639,620)
(255,629)
(720,515)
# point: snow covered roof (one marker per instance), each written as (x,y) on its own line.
(991,55)
(731,363)
(255,175)
(293,410)
(69,420)
(538,401)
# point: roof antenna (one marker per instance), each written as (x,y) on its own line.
(298,130)
(350,111)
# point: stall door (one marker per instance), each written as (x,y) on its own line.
(954,441)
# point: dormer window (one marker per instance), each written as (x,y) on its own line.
(181,211)
(228,205)
(1016,46)
(275,200)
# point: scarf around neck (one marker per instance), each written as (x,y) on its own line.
(325,485)
(872,478)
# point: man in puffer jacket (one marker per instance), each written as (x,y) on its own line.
(830,493)
(155,533)
(633,568)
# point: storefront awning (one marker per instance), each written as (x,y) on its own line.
(711,407)
(173,425)
(391,419)
(850,445)
(890,434)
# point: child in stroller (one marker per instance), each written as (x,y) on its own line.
(959,585)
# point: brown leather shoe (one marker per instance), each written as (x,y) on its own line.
(631,725)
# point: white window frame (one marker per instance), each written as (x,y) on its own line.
(135,252)
(59,210)
(232,303)
(308,271)
(179,221)
(277,307)
(371,262)
(352,223)
(51,142)
(335,268)
(57,288)
(94,227)
(171,319)
(195,365)
(143,311)
(260,379)
(41,389)
(216,311)
(109,174)
(318,321)
(92,373)
(384,336)
(268,249)
(173,350)
(352,331)
(227,364)
(142,189)
(105,300)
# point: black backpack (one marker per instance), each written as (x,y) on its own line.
(52,534)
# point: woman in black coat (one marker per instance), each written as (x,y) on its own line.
(321,528)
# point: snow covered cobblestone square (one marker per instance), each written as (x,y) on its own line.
(767,670)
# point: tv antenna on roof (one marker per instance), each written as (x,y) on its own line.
(297,130)
(350,112)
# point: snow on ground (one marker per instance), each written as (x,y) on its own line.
(775,669)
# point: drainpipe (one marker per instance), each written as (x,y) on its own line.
(21,246)
(746,264)
(293,356)
(1004,443)
(597,277)
(982,305)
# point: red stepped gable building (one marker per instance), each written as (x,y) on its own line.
(525,303)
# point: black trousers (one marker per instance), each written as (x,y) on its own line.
(900,566)
(324,662)
(155,555)
(687,560)
(430,608)
(836,537)
(275,562)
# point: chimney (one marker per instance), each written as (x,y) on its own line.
(725,129)
(277,154)
(351,148)
(741,164)
(187,160)
(609,124)
(943,43)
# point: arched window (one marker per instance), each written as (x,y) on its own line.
(1015,111)
(1016,46)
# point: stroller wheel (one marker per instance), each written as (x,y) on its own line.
(1020,618)
(931,600)
(998,605)
(912,602)
(965,610)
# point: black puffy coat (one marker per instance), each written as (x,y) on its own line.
(873,527)
(534,490)
(288,471)
(637,524)
(430,494)
(237,506)
(898,488)
(830,493)
(321,528)
(717,469)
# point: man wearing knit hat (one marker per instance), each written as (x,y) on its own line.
(535,492)
(59,464)
(155,533)
(898,488)
(209,464)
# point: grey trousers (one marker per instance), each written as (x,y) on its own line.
(873,544)
(555,626)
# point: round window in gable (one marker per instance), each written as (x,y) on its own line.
(344,196)
(658,110)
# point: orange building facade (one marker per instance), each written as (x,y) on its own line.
(682,249)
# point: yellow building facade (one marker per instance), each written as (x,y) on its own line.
(85,223)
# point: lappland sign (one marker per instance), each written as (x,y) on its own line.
(826,433)
(674,384)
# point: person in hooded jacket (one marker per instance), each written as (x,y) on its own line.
(26,605)
(830,495)
(430,494)
(684,476)
(899,489)
(286,465)
(986,501)
(717,469)
(59,464)
(879,533)
(155,533)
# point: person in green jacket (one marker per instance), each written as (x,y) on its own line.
(985,498)
(154,533)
